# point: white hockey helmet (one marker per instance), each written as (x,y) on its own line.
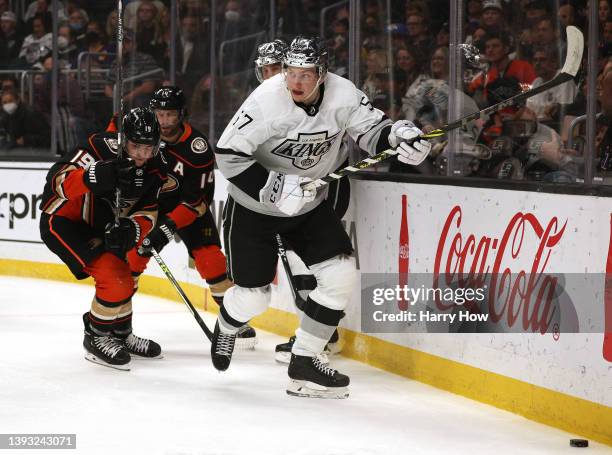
(269,54)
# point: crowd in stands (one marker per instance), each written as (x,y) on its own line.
(404,69)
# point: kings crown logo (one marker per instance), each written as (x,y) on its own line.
(307,150)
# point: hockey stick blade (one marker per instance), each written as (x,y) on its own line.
(575,48)
(194,312)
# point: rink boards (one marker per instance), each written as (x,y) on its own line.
(561,380)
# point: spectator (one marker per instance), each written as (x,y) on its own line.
(96,42)
(443,36)
(419,36)
(192,53)
(492,17)
(77,22)
(376,63)
(149,39)
(22,127)
(372,36)
(40,35)
(566,15)
(10,39)
(8,84)
(70,51)
(604,11)
(134,63)
(406,60)
(42,8)
(426,100)
(474,13)
(111,26)
(130,14)
(497,48)
(548,105)
(535,11)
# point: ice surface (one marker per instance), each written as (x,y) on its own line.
(181,405)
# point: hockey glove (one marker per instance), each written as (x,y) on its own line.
(286,193)
(158,238)
(103,176)
(402,137)
(121,237)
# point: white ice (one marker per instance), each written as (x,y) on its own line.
(181,405)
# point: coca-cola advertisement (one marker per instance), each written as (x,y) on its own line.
(509,280)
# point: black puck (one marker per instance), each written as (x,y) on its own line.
(579,442)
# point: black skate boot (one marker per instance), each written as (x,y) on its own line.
(310,378)
(104,350)
(246,338)
(282,352)
(141,347)
(221,348)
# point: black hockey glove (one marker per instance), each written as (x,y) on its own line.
(158,238)
(103,176)
(121,237)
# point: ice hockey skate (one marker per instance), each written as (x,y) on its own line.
(311,378)
(106,350)
(222,348)
(246,338)
(141,347)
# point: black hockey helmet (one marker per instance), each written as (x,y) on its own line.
(305,52)
(269,54)
(140,126)
(169,98)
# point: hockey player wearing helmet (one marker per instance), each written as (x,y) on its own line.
(77,224)
(185,199)
(268,64)
(269,59)
(287,133)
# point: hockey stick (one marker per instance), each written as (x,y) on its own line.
(194,312)
(575,47)
(282,252)
(119,85)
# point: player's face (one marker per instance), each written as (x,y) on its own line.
(168,121)
(302,84)
(140,153)
(270,70)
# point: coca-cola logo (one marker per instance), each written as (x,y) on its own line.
(515,292)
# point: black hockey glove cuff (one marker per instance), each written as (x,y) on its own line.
(121,237)
(158,238)
(103,176)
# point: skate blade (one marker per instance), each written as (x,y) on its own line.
(93,359)
(282,357)
(244,344)
(310,390)
(143,357)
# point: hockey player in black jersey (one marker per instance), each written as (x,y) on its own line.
(185,200)
(77,223)
(287,133)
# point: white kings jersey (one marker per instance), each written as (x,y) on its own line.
(270,132)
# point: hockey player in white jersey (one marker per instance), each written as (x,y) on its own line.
(268,64)
(287,133)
